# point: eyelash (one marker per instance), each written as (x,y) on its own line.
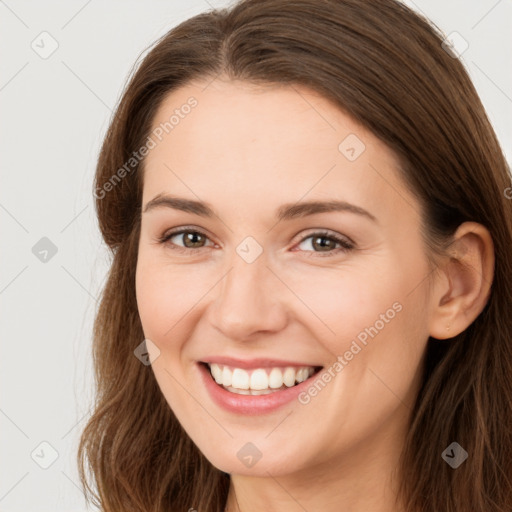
(346,246)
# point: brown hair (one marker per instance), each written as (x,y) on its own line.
(385,66)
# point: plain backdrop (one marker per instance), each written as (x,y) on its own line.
(62,70)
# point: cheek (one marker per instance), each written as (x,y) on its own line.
(165,294)
(374,315)
(342,302)
(165,297)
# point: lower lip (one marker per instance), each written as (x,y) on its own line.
(250,404)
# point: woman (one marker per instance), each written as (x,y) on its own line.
(308,305)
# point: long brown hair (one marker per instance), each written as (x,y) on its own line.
(386,67)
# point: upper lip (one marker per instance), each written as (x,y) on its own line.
(260,362)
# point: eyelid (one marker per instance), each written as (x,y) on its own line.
(184,229)
(323,232)
(346,242)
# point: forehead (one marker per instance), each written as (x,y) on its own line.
(240,143)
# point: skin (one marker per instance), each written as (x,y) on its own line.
(247,150)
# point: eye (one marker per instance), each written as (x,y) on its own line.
(192,240)
(325,240)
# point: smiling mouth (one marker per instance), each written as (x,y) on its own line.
(259,381)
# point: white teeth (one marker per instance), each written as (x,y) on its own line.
(303,374)
(289,377)
(251,391)
(259,381)
(216,373)
(241,391)
(239,378)
(226,377)
(275,379)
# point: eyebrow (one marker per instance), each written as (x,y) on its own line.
(285,212)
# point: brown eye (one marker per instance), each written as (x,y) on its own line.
(326,242)
(190,239)
(323,243)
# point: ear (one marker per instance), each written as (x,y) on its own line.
(464,281)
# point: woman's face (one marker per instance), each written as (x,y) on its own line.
(265,283)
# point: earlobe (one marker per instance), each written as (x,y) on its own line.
(467,273)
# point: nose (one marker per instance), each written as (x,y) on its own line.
(250,299)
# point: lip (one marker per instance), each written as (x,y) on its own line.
(250,404)
(250,364)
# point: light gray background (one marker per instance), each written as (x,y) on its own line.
(54,113)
